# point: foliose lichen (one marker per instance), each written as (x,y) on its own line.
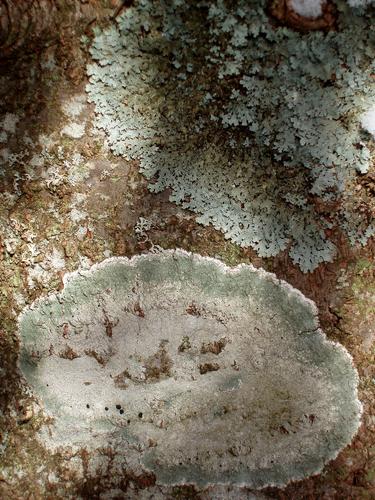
(197,372)
(247,123)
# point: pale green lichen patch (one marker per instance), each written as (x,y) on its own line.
(251,126)
(197,372)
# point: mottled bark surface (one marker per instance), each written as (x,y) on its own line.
(66,202)
(29,24)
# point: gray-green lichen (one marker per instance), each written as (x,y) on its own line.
(195,371)
(248,124)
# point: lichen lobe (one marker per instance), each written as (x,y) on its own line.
(231,395)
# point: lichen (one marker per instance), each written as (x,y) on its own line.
(307,8)
(248,124)
(197,372)
(368,121)
(360,3)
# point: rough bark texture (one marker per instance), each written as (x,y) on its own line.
(29,24)
(67,202)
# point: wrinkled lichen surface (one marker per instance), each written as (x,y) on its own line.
(164,353)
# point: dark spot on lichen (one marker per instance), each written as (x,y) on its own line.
(158,365)
(93,354)
(208,367)
(108,328)
(214,347)
(185,492)
(185,344)
(68,353)
(145,480)
(193,309)
(138,310)
(65,330)
(120,380)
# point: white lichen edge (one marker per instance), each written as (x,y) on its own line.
(368,121)
(290,291)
